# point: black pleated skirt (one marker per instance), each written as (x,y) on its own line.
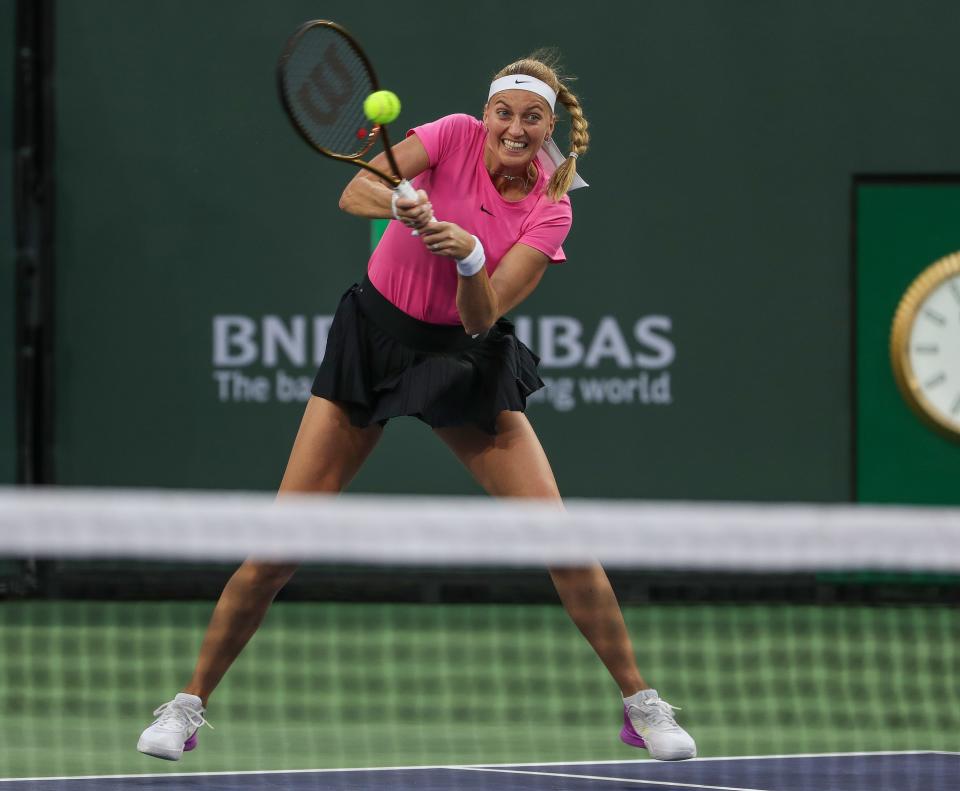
(381,363)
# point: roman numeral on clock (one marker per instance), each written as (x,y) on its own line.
(955,289)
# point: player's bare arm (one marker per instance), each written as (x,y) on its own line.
(368,196)
(482,299)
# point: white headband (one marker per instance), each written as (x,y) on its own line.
(524,82)
(550,157)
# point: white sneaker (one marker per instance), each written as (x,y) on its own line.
(648,722)
(175,729)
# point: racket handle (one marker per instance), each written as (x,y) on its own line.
(406,191)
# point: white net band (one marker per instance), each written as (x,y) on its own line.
(475,531)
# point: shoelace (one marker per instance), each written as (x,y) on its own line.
(179,716)
(661,712)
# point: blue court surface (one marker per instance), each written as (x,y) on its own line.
(913,771)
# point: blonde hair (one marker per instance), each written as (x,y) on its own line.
(544,65)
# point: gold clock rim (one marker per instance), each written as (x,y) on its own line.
(903,319)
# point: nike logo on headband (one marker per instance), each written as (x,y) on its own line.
(521,82)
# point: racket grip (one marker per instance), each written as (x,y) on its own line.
(406,191)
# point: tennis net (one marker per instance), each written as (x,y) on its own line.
(426,632)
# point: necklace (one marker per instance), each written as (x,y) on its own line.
(525,179)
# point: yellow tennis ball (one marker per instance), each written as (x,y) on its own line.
(381,107)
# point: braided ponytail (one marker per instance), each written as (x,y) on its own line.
(563,176)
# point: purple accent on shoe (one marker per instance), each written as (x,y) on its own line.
(629,735)
(190,743)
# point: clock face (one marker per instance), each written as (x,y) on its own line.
(934,350)
(925,346)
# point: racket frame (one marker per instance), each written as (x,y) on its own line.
(394,179)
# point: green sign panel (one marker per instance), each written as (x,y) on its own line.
(902,228)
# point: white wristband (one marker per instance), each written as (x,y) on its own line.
(474,262)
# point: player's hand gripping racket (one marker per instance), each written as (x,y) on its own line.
(324,78)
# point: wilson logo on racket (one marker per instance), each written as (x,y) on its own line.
(319,78)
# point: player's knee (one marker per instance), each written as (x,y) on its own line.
(270,577)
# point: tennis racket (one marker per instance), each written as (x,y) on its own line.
(324,76)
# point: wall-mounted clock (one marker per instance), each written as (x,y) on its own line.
(925,346)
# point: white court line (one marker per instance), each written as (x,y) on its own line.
(254,772)
(611,779)
(709,758)
(467,766)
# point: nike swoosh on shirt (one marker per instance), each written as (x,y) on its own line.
(486,211)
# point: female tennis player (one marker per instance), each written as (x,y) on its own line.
(423,335)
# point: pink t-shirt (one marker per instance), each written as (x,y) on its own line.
(424,285)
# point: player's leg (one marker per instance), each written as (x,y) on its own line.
(327,453)
(513,464)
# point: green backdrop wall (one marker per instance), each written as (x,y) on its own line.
(697,339)
(8,455)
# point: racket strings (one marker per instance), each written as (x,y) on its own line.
(325,82)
